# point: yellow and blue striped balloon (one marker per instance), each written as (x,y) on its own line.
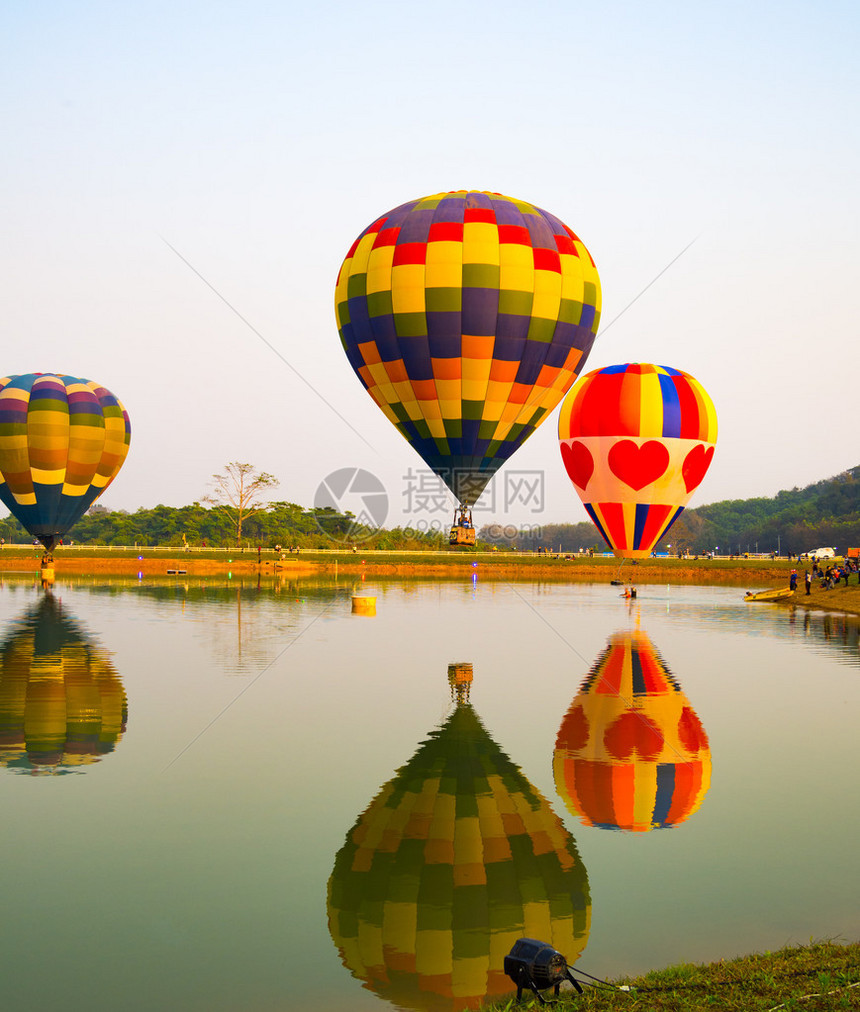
(62,442)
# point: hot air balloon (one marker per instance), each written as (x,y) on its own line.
(456,858)
(62,705)
(62,442)
(636,440)
(467,315)
(631,753)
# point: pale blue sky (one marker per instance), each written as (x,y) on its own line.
(260,139)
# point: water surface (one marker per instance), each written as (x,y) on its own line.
(219,795)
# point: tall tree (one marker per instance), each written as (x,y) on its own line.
(240,492)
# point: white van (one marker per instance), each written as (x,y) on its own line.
(822,553)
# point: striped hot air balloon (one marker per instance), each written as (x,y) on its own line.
(467,315)
(631,753)
(636,441)
(62,704)
(62,442)
(456,858)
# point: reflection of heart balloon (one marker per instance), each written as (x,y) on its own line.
(631,753)
(648,432)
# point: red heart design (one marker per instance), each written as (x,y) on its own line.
(633,732)
(696,463)
(638,466)
(578,462)
(573,733)
(690,731)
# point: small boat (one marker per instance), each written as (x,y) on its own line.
(780,594)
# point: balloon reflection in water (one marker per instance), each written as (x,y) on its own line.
(631,752)
(62,704)
(456,858)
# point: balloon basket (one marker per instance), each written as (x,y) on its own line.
(362,605)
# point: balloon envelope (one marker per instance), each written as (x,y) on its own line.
(631,753)
(456,858)
(467,315)
(62,442)
(636,441)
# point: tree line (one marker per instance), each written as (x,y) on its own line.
(797,520)
(279,523)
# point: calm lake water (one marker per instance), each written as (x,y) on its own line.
(219,796)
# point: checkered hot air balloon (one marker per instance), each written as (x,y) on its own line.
(636,441)
(631,753)
(62,705)
(62,442)
(467,315)
(455,859)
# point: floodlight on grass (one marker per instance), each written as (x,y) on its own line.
(537,966)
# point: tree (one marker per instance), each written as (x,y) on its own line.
(240,493)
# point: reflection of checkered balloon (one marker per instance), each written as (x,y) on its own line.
(467,316)
(456,858)
(62,704)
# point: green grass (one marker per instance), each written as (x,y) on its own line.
(818,976)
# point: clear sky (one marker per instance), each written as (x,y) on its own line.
(259,139)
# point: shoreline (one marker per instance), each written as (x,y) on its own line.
(749,574)
(816,976)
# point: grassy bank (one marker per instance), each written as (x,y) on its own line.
(841,598)
(820,976)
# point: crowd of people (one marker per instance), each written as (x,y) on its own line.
(829,577)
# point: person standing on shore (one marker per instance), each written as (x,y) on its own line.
(792,580)
(808,579)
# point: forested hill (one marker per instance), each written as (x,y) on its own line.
(826,513)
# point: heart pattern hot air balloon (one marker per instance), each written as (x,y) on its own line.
(631,752)
(62,442)
(467,316)
(636,441)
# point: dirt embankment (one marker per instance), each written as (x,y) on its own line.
(746,574)
(148,566)
(489,568)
